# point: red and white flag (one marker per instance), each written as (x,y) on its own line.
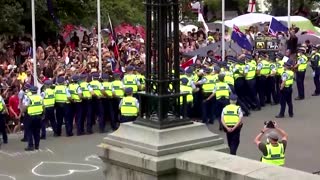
(195,6)
(201,19)
(189,62)
(252,6)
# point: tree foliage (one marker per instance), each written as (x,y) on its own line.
(280,8)
(16,14)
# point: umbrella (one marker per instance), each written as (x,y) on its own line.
(313,38)
(188,28)
(233,49)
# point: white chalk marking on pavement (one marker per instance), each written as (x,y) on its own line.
(15,154)
(93,158)
(70,171)
(7,177)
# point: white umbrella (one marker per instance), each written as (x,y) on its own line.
(188,28)
(313,38)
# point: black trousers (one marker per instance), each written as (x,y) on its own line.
(286,99)
(34,127)
(3,128)
(271,90)
(300,75)
(277,85)
(252,93)
(261,85)
(316,80)
(233,139)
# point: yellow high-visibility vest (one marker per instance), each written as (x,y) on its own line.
(230,115)
(304,64)
(108,88)
(117,86)
(275,155)
(95,84)
(222,90)
(209,85)
(186,89)
(289,80)
(60,94)
(265,70)
(129,80)
(251,72)
(36,105)
(73,88)
(280,68)
(49,99)
(85,91)
(129,106)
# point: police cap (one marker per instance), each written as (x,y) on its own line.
(48,82)
(189,70)
(130,68)
(27,86)
(95,75)
(217,69)
(221,77)
(75,78)
(233,97)
(33,89)
(129,90)
(184,81)
(83,76)
(105,76)
(60,80)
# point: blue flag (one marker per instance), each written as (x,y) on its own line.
(241,39)
(277,26)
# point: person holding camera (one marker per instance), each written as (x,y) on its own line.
(231,119)
(274,150)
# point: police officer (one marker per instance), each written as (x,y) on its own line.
(263,70)
(76,96)
(97,100)
(131,80)
(129,107)
(239,84)
(315,65)
(117,94)
(48,102)
(21,95)
(250,77)
(280,70)
(286,90)
(274,151)
(3,111)
(87,92)
(231,118)
(107,100)
(63,107)
(188,88)
(270,86)
(208,84)
(301,66)
(221,92)
(33,106)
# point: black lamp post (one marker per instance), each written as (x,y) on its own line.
(160,103)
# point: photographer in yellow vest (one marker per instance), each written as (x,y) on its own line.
(48,102)
(129,107)
(231,119)
(33,107)
(274,150)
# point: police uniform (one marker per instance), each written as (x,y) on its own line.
(77,111)
(231,117)
(188,89)
(238,74)
(250,77)
(3,111)
(315,64)
(97,101)
(129,107)
(270,86)
(86,104)
(263,68)
(302,63)
(286,91)
(131,80)
(117,93)
(280,70)
(208,107)
(108,100)
(63,107)
(48,102)
(34,110)
(21,95)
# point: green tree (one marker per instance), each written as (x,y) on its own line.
(280,8)
(11,15)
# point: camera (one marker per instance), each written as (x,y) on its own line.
(269,124)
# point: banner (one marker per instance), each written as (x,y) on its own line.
(267,43)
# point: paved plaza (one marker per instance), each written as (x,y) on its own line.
(77,157)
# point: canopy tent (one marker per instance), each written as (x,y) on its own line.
(188,28)
(216,25)
(313,38)
(232,49)
(317,29)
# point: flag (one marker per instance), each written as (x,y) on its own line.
(189,62)
(195,6)
(113,40)
(240,38)
(252,6)
(276,26)
(201,19)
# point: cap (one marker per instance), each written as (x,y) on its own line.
(231,58)
(60,80)
(116,74)
(210,38)
(279,55)
(301,49)
(83,76)
(95,75)
(189,71)
(48,82)
(221,77)
(129,90)
(129,68)
(249,56)
(233,97)
(217,69)
(105,76)
(181,70)
(273,135)
(207,70)
(184,81)
(33,89)
(75,78)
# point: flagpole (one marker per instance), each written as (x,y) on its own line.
(99,35)
(289,10)
(223,53)
(34,57)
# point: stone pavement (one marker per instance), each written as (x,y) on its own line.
(303,130)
